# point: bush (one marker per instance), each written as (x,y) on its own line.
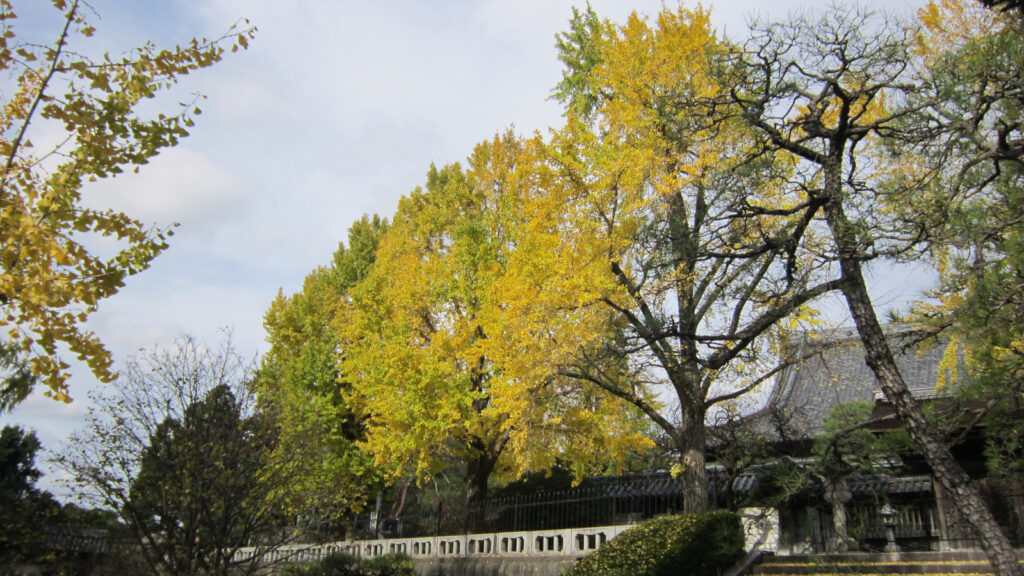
(696,545)
(340,564)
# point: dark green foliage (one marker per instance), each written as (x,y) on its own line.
(24,510)
(16,380)
(199,485)
(17,463)
(344,565)
(336,564)
(981,197)
(694,545)
(389,565)
(36,532)
(177,452)
(846,446)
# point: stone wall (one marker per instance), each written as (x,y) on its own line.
(528,553)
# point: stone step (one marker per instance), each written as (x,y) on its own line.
(875,568)
(862,564)
(861,557)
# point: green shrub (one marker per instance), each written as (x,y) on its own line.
(696,545)
(340,564)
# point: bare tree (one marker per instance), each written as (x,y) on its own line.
(178,452)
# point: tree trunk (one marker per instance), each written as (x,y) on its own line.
(479,471)
(928,440)
(691,442)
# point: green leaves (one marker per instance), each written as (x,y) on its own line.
(178,452)
(579,49)
(975,58)
(691,545)
(299,382)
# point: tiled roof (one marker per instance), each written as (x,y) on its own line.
(833,372)
(663,485)
(88,541)
(880,484)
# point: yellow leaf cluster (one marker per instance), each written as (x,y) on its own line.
(50,281)
(454,341)
(951,24)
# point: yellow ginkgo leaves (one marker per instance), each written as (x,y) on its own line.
(50,281)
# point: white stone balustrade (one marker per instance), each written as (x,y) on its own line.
(760,528)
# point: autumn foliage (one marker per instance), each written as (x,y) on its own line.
(52,277)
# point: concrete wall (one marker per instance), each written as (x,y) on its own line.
(529,553)
(495,566)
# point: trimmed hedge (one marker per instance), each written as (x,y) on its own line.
(340,564)
(695,545)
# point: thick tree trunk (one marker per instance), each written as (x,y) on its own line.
(480,466)
(946,469)
(480,469)
(693,477)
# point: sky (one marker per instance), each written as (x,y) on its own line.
(336,110)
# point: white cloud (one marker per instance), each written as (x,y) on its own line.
(180,185)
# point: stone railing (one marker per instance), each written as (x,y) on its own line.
(760,526)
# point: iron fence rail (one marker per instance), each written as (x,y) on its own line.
(606,504)
(618,501)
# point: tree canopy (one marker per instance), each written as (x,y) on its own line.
(24,509)
(443,362)
(688,239)
(299,383)
(975,58)
(837,94)
(199,493)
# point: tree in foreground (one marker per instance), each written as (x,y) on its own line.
(688,241)
(33,525)
(67,120)
(976,57)
(831,94)
(24,509)
(177,452)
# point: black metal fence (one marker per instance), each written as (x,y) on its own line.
(611,502)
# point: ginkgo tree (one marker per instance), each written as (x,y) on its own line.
(299,384)
(674,226)
(51,279)
(445,365)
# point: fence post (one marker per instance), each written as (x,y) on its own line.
(440,510)
(515,513)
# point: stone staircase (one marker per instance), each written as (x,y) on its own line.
(862,563)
